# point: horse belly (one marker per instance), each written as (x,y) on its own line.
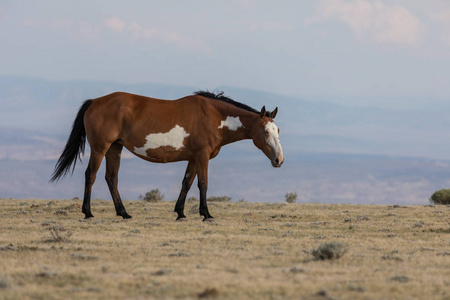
(163,154)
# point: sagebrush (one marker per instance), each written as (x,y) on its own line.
(291,197)
(152,196)
(441,197)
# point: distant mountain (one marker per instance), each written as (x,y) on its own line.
(316,178)
(334,153)
(49,107)
(23,145)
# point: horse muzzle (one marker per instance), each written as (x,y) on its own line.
(277,162)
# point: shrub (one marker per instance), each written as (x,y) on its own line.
(59,235)
(441,197)
(291,197)
(219,199)
(332,250)
(192,199)
(152,196)
(5,282)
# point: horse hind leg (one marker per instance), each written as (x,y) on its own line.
(90,175)
(112,170)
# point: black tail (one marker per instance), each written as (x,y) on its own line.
(74,147)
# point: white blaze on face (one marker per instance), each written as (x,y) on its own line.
(274,139)
(233,123)
(174,138)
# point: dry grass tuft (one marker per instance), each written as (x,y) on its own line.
(58,235)
(61,212)
(5,282)
(208,293)
(331,250)
(399,278)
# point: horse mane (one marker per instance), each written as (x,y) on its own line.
(221,97)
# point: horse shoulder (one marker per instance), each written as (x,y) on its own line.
(209,126)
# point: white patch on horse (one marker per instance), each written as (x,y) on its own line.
(233,123)
(174,138)
(274,138)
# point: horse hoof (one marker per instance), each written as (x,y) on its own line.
(88,217)
(126,216)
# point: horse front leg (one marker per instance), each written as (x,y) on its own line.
(202,173)
(189,177)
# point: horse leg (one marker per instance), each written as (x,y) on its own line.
(112,169)
(202,173)
(189,177)
(90,175)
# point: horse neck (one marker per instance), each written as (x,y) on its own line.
(248,119)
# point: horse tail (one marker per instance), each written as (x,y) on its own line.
(74,147)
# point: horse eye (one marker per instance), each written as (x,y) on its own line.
(265,131)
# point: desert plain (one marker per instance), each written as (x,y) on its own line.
(251,251)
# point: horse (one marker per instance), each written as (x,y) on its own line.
(193,129)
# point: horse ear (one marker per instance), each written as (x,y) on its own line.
(263,111)
(274,113)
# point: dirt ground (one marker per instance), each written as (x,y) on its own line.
(251,251)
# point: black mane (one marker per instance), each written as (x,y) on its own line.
(220,96)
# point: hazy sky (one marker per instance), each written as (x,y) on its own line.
(329,48)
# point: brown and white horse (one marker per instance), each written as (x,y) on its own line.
(192,129)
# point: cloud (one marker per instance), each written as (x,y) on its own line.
(79,30)
(245,3)
(271,26)
(3,15)
(372,20)
(93,32)
(138,32)
(442,18)
(115,24)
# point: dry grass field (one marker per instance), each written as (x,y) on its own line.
(251,251)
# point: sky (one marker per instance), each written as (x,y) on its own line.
(359,51)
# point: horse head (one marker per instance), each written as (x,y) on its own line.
(265,136)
